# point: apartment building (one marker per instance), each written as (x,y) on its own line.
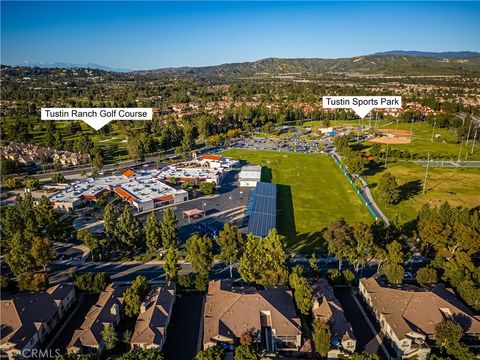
(150,331)
(407,315)
(28,317)
(326,307)
(108,310)
(267,315)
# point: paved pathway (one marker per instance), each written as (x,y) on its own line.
(365,190)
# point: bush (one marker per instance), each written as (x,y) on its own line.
(334,276)
(394,273)
(91,282)
(426,276)
(185,281)
(32,282)
(348,276)
(207,188)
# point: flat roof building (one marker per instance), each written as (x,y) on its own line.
(28,317)
(151,326)
(143,190)
(194,175)
(408,315)
(250,175)
(326,307)
(262,210)
(267,315)
(215,161)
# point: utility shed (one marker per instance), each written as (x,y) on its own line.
(250,175)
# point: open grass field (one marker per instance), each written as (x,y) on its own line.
(444,146)
(312,192)
(460,187)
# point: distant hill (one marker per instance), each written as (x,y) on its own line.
(72,66)
(444,55)
(370,64)
(392,63)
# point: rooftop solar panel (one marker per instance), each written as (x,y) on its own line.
(263,216)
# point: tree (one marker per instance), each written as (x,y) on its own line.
(100,281)
(42,252)
(109,220)
(18,256)
(321,337)
(313,263)
(348,276)
(388,189)
(363,248)
(135,294)
(248,265)
(273,270)
(264,260)
(199,254)
(169,229)
(363,356)
(341,143)
(231,241)
(339,239)
(394,273)
(152,233)
(109,336)
(46,217)
(172,266)
(303,296)
(97,159)
(426,276)
(207,188)
(212,353)
(188,141)
(448,333)
(89,240)
(355,162)
(128,229)
(245,352)
(142,355)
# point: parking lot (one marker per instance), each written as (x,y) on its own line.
(293,144)
(227,205)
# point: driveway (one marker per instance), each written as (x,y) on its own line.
(366,337)
(184,329)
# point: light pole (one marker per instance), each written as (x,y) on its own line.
(203,207)
(433,130)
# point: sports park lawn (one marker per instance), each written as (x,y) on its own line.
(312,192)
(460,187)
(445,146)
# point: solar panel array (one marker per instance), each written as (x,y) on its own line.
(263,215)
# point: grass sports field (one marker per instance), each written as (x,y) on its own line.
(312,192)
(460,187)
(443,146)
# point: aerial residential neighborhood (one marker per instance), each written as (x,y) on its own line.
(287,186)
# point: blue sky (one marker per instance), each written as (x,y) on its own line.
(147,35)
